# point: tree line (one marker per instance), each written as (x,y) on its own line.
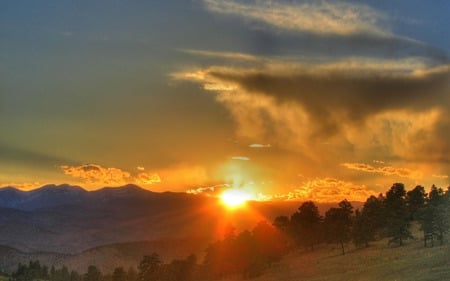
(387,215)
(250,252)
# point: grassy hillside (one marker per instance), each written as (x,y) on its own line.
(411,262)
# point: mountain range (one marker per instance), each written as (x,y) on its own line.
(67,225)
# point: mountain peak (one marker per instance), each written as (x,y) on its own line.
(129,190)
(63,186)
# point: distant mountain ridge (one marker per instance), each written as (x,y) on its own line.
(57,195)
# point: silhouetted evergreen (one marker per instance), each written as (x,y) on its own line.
(415,200)
(29,272)
(306,225)
(150,268)
(338,223)
(434,216)
(92,274)
(119,274)
(397,216)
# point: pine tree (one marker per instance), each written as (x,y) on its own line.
(338,223)
(397,215)
(306,225)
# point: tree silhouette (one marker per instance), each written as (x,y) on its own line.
(361,232)
(434,216)
(182,270)
(119,274)
(149,268)
(132,274)
(92,274)
(306,224)
(282,223)
(397,216)
(338,223)
(415,200)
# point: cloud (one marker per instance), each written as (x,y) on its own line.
(258,145)
(201,190)
(440,176)
(147,178)
(357,103)
(328,190)
(140,168)
(97,175)
(241,158)
(224,55)
(387,170)
(337,18)
(21,185)
(213,190)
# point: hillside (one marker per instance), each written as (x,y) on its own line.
(411,262)
(106,257)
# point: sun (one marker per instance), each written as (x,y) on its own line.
(233,198)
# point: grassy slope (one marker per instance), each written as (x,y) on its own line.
(411,262)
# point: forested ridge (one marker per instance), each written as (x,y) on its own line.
(250,252)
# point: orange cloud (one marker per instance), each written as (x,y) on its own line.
(22,185)
(173,177)
(259,145)
(440,176)
(97,175)
(147,178)
(208,190)
(387,170)
(327,190)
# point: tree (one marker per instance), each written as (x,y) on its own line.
(434,216)
(182,269)
(397,216)
(282,223)
(119,274)
(338,223)
(374,216)
(92,274)
(132,275)
(149,268)
(74,276)
(415,200)
(361,232)
(305,224)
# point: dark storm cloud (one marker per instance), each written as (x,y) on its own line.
(334,95)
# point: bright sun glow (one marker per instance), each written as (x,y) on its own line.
(234,197)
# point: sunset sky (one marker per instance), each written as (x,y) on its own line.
(286,99)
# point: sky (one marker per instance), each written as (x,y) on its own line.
(288,100)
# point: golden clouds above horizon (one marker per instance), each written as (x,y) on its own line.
(96,176)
